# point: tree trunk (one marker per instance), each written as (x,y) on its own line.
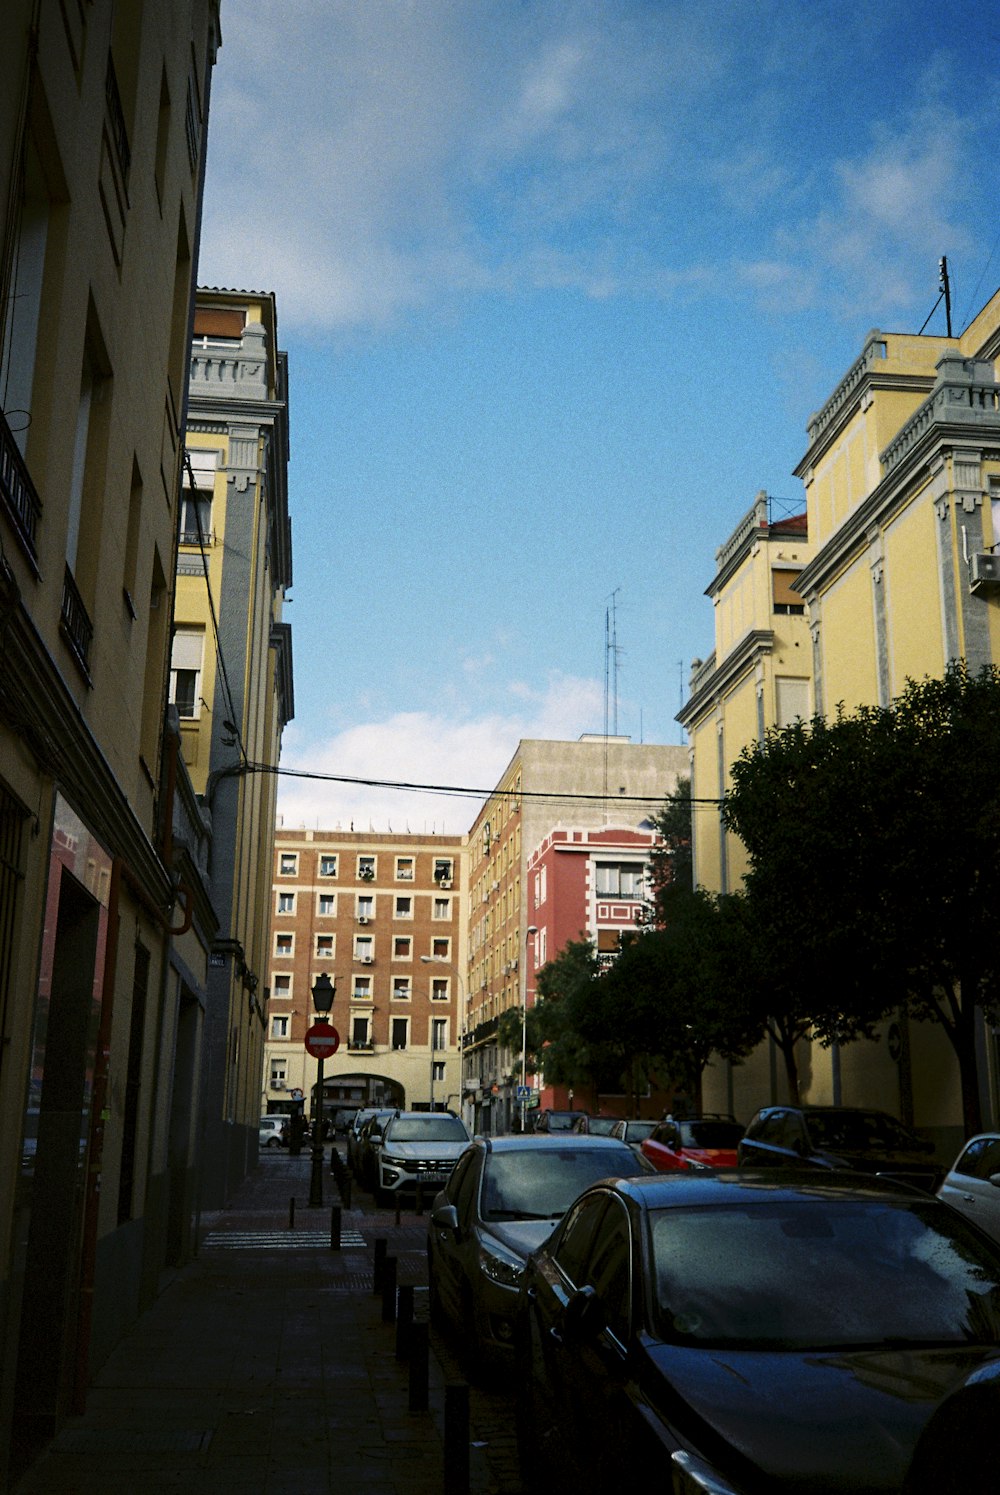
(786,1043)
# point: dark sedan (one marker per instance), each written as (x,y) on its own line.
(504,1197)
(866,1141)
(748,1332)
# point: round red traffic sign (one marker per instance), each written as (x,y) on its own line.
(322,1040)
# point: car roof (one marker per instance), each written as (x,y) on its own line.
(747,1186)
(542,1141)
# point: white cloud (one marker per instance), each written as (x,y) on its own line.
(429,748)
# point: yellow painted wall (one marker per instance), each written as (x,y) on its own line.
(913,601)
(848,634)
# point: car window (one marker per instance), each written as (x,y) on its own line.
(774,1130)
(981,1159)
(608,1269)
(535,1183)
(427,1129)
(717,1134)
(468,1186)
(889,1274)
(459,1172)
(578,1233)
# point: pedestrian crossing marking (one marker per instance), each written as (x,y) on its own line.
(277,1240)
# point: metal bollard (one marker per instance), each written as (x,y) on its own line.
(291,1213)
(335,1227)
(389,1290)
(404,1319)
(380,1248)
(456,1438)
(419,1372)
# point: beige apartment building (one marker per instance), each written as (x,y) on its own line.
(383,917)
(103,119)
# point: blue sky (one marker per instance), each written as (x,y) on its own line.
(560,284)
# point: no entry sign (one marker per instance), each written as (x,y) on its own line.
(322,1040)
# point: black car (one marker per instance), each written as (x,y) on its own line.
(865,1141)
(557,1121)
(756,1333)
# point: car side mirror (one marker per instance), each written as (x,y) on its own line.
(584,1316)
(445,1217)
(995,1180)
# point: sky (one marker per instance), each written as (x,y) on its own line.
(560,283)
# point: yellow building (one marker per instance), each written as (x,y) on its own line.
(901,576)
(103,115)
(231,682)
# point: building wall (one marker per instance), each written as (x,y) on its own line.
(393,944)
(231,680)
(100,190)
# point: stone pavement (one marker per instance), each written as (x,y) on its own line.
(265,1368)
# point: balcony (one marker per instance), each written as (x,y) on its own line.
(360,1046)
(20,502)
(75,624)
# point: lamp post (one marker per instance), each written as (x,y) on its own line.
(323,994)
(529,933)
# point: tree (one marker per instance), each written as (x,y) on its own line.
(874,847)
(671,861)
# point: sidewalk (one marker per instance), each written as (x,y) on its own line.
(264,1367)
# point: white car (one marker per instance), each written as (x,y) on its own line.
(419,1149)
(271,1131)
(973,1185)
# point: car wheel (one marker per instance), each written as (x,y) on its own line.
(273,1142)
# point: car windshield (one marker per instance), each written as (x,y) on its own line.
(541,1183)
(823,1274)
(859,1131)
(638,1131)
(601,1126)
(711,1134)
(562,1121)
(433,1129)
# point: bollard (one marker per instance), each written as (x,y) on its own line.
(420,1199)
(404,1319)
(389,1290)
(291,1213)
(380,1246)
(456,1438)
(335,1228)
(419,1375)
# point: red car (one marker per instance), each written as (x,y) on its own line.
(700,1142)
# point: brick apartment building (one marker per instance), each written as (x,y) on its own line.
(382,916)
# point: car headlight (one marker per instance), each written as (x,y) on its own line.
(388,1161)
(692,1476)
(500,1265)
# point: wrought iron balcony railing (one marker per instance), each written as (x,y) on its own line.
(74,621)
(21,503)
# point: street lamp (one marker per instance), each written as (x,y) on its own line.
(323,993)
(529,933)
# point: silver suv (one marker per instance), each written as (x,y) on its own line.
(419,1148)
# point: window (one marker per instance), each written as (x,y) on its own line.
(791,700)
(400,1032)
(442,908)
(286,903)
(402,947)
(619,879)
(437,1071)
(185,671)
(324,945)
(439,1033)
(364,948)
(279,1027)
(786,601)
(195,516)
(401,988)
(359,1032)
(366,868)
(281,985)
(441,949)
(439,989)
(442,870)
(404,908)
(288,864)
(284,944)
(279,1074)
(365,908)
(362,989)
(327,865)
(404,869)
(326,905)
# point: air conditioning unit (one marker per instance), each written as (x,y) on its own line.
(513,964)
(362,918)
(984,570)
(367,960)
(496,887)
(277,1084)
(445,882)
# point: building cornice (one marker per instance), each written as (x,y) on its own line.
(758,642)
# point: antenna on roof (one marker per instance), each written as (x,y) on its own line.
(946,291)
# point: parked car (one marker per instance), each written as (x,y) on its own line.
(369,1143)
(556,1121)
(839,1137)
(418,1148)
(739,1332)
(973,1184)
(273,1131)
(634,1131)
(594,1126)
(354,1133)
(693,1142)
(504,1197)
